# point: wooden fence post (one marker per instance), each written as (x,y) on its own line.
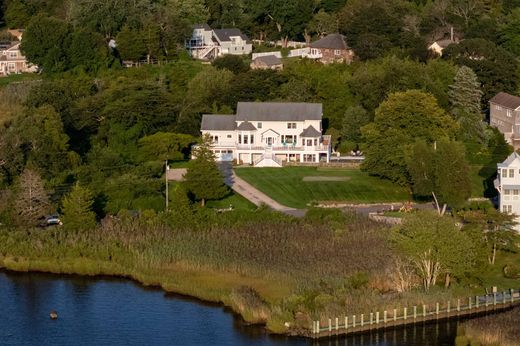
(469,303)
(476,301)
(414,312)
(353,321)
(504,298)
(437,309)
(330,325)
(318,326)
(512,295)
(494,298)
(424,310)
(346,322)
(395,315)
(362,318)
(404,314)
(458,304)
(384,316)
(371,318)
(448,308)
(313,327)
(337,325)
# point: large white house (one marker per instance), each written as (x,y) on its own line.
(266,134)
(207,43)
(508,185)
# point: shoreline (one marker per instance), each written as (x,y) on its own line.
(23,265)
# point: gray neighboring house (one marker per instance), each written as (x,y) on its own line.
(267,62)
(504,114)
(207,43)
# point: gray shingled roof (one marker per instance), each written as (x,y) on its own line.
(444,43)
(506,100)
(310,132)
(332,41)
(278,111)
(269,60)
(246,126)
(225,34)
(217,122)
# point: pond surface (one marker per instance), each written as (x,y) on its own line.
(105,311)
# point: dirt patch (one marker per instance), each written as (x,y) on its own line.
(317,178)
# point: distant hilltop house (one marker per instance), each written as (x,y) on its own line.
(12,61)
(332,48)
(208,44)
(504,114)
(438,46)
(267,62)
(508,185)
(265,134)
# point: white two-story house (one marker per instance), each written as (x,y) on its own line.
(265,134)
(508,185)
(207,43)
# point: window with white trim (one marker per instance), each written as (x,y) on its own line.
(337,52)
(291,125)
(229,136)
(509,113)
(507,208)
(498,107)
(259,125)
(13,54)
(511,173)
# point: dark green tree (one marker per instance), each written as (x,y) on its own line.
(233,63)
(355,118)
(400,120)
(87,49)
(46,42)
(495,67)
(509,32)
(203,179)
(77,210)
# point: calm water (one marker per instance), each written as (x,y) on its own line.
(120,312)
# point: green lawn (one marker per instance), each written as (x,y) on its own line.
(238,202)
(286,185)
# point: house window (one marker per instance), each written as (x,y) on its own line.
(515,192)
(509,113)
(498,108)
(229,136)
(337,52)
(507,192)
(288,139)
(239,139)
(13,54)
(504,173)
(245,139)
(11,66)
(511,173)
(309,142)
(315,141)
(259,125)
(214,139)
(507,208)
(251,139)
(291,125)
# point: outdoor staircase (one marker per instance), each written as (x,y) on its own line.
(268,159)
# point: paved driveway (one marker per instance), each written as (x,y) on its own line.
(252,194)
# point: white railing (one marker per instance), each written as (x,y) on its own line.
(288,147)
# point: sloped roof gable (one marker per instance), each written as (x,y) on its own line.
(310,132)
(246,126)
(332,41)
(226,34)
(513,159)
(218,122)
(506,100)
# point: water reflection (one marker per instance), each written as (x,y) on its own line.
(105,311)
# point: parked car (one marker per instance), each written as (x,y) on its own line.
(52,220)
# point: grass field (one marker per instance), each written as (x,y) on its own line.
(287,186)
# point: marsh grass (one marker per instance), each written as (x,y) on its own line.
(499,329)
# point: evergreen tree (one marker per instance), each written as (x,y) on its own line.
(355,117)
(465,93)
(465,97)
(203,178)
(77,209)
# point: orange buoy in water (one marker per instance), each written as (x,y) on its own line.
(53,315)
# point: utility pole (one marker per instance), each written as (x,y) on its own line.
(166,177)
